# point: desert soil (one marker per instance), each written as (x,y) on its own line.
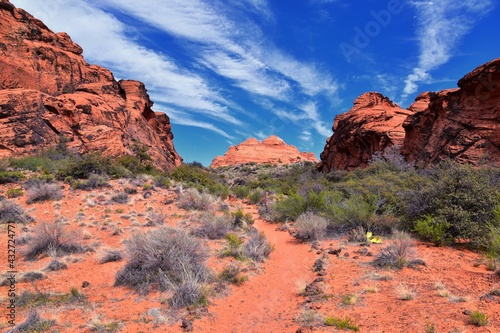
(272,300)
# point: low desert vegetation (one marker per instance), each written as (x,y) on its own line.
(164,258)
(11,212)
(213,226)
(192,199)
(478,318)
(310,227)
(109,255)
(33,323)
(39,191)
(51,238)
(341,323)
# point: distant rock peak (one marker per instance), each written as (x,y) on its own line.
(271,150)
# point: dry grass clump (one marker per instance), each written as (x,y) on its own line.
(165,258)
(310,226)
(213,226)
(33,323)
(11,212)
(40,191)
(257,247)
(51,238)
(192,199)
(399,254)
(405,293)
(109,255)
(121,198)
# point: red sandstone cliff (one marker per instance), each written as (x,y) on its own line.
(49,91)
(271,150)
(462,124)
(372,124)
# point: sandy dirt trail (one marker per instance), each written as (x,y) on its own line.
(268,302)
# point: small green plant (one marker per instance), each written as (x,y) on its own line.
(14,193)
(430,328)
(341,323)
(232,275)
(349,299)
(241,220)
(233,246)
(478,318)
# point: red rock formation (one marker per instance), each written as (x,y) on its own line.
(48,90)
(372,124)
(462,124)
(271,150)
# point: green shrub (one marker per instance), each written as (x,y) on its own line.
(10,176)
(192,199)
(255,196)
(82,167)
(94,181)
(433,230)
(461,201)
(232,275)
(241,192)
(161,181)
(14,193)
(241,220)
(233,247)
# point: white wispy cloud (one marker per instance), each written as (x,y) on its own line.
(441,25)
(236,52)
(182,118)
(107,42)
(247,73)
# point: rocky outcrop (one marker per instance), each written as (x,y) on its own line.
(48,92)
(462,124)
(271,150)
(372,124)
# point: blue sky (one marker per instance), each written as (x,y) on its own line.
(226,70)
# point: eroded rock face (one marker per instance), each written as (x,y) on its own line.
(49,91)
(372,124)
(462,124)
(271,150)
